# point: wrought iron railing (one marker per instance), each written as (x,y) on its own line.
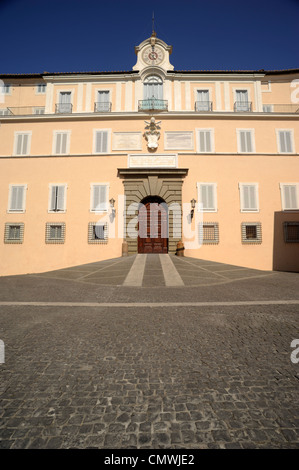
(204,106)
(102,107)
(152,104)
(63,108)
(243,107)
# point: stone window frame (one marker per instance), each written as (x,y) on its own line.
(207,241)
(55,241)
(7,230)
(251,241)
(91,233)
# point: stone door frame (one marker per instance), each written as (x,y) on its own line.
(141,183)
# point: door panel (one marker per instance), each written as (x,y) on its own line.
(153,227)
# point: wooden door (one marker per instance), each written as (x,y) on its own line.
(153,227)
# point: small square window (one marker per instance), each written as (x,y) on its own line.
(14,233)
(251,232)
(209,233)
(291,232)
(55,232)
(97,233)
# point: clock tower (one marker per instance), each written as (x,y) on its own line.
(153,52)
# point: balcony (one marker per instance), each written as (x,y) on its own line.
(102,107)
(203,106)
(152,104)
(243,107)
(63,108)
(281,108)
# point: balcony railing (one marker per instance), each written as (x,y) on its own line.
(152,104)
(63,108)
(102,107)
(203,106)
(24,110)
(243,107)
(281,108)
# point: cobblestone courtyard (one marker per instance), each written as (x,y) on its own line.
(149,376)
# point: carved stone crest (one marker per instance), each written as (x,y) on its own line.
(152,133)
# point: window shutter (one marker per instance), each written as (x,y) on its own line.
(290,197)
(285,142)
(249,197)
(205,144)
(60,198)
(17,193)
(58,143)
(99,200)
(101,142)
(245,141)
(19,144)
(207,197)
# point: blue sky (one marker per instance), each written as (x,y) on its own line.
(96,35)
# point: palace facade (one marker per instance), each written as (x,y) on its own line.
(96,163)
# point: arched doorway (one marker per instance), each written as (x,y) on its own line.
(153,225)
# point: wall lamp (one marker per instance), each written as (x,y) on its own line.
(112,202)
(193,202)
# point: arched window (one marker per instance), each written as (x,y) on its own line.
(153,88)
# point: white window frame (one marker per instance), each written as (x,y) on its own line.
(241,186)
(108,141)
(200,208)
(97,211)
(38,90)
(67,90)
(167,147)
(252,134)
(282,195)
(17,133)
(278,141)
(109,90)
(17,211)
(212,138)
(63,211)
(68,141)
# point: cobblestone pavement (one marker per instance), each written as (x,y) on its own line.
(217,376)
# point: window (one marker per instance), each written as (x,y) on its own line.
(207,196)
(291,232)
(5,112)
(205,140)
(99,198)
(39,110)
(209,233)
(251,232)
(153,88)
(289,196)
(6,89)
(285,141)
(41,88)
(249,197)
(57,198)
(55,232)
(103,101)
(101,141)
(17,198)
(61,142)
(245,140)
(242,104)
(14,232)
(97,232)
(22,143)
(203,101)
(65,102)
(178,140)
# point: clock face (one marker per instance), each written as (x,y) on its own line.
(152,55)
